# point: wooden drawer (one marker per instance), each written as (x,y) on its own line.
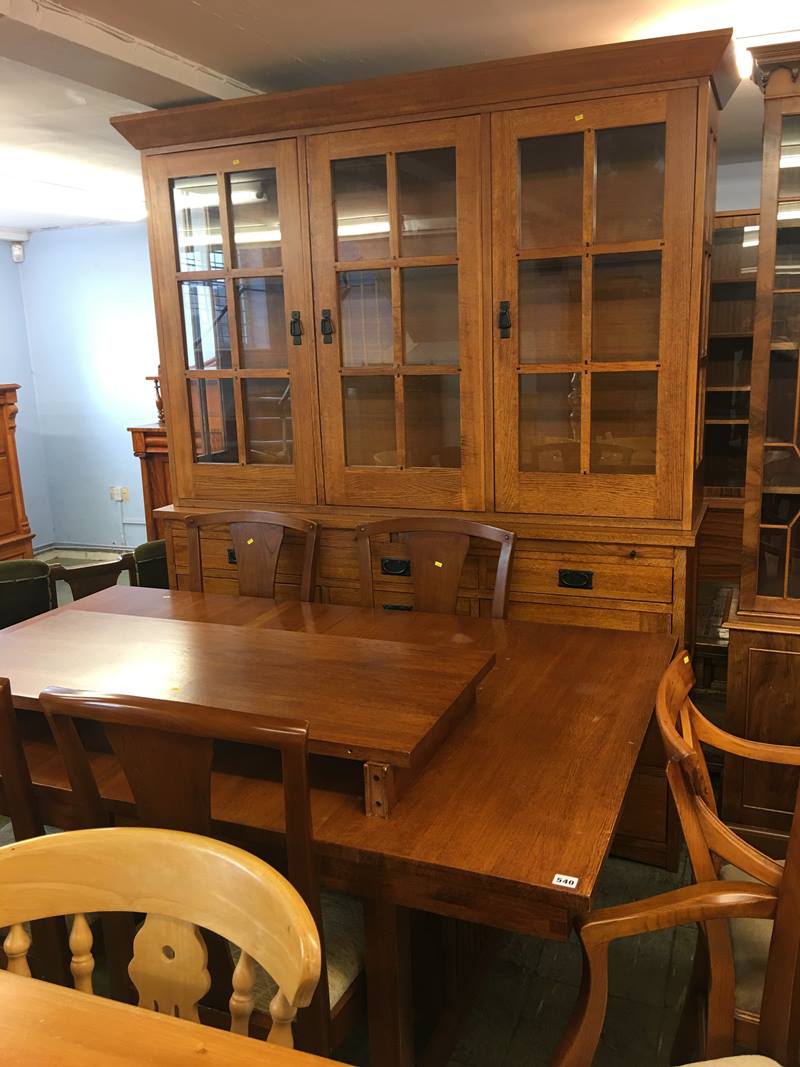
(583,613)
(610,578)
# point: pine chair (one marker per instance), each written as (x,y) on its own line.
(24,590)
(181,882)
(257,538)
(151,565)
(91,578)
(744,989)
(166,751)
(437,549)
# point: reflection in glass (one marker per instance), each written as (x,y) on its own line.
(771,562)
(781,468)
(198,234)
(782,395)
(549,310)
(626,299)
(789,179)
(793,577)
(624,407)
(430,314)
(365,309)
(550,423)
(733,405)
(205,325)
(268,420)
(734,253)
(262,322)
(369,425)
(729,361)
(213,418)
(732,308)
(433,420)
(777,510)
(551,190)
(786,321)
(787,247)
(725,453)
(629,194)
(362,208)
(426,193)
(253,198)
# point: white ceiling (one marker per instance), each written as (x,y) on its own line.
(167,52)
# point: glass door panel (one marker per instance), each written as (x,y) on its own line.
(624,422)
(430,315)
(426,193)
(550,423)
(198,233)
(253,198)
(239,347)
(550,310)
(626,306)
(630,183)
(787,246)
(362,208)
(550,191)
(401,301)
(789,166)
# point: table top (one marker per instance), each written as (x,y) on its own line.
(364,699)
(51,1026)
(527,786)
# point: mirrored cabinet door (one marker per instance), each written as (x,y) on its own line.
(592,245)
(396,250)
(238,337)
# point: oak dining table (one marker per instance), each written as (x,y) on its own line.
(504,820)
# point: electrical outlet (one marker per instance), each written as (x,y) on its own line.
(119,492)
(125,493)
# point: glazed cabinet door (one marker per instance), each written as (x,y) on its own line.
(233,289)
(593,209)
(395,226)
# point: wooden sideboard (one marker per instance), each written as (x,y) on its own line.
(15,530)
(151,448)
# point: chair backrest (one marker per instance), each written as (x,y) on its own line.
(257,537)
(151,565)
(83,581)
(181,882)
(437,549)
(710,842)
(166,750)
(24,590)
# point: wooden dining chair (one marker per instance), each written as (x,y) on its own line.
(166,752)
(437,549)
(91,578)
(182,883)
(257,538)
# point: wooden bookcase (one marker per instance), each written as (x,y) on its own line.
(15,530)
(765,633)
(474,291)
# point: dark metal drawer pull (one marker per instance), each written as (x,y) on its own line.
(397,607)
(568,579)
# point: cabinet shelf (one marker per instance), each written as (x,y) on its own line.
(727,388)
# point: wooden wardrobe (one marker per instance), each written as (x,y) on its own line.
(15,530)
(478,291)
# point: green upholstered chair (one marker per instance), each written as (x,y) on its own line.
(24,590)
(151,564)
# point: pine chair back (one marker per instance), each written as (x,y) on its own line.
(181,882)
(257,538)
(711,843)
(437,549)
(24,590)
(166,751)
(83,581)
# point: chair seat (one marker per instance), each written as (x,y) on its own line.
(751,938)
(343,938)
(737,1061)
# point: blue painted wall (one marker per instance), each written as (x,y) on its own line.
(92,340)
(15,366)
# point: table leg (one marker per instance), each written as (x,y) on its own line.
(389,1000)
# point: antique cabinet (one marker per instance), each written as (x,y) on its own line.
(475,291)
(15,531)
(151,449)
(765,632)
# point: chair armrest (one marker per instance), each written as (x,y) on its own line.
(740,746)
(693,903)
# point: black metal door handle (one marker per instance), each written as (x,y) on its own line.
(504,319)
(326,327)
(296,328)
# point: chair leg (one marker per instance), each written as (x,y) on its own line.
(690,1038)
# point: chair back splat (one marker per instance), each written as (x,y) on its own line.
(257,537)
(437,550)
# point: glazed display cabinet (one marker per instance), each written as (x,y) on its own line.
(476,292)
(764,676)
